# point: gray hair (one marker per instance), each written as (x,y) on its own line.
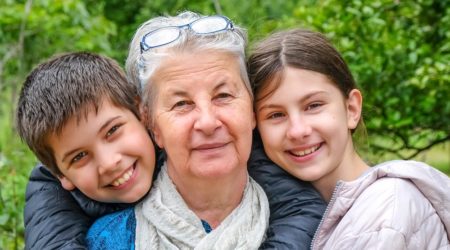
(140,68)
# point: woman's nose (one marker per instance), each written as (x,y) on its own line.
(207,120)
(298,128)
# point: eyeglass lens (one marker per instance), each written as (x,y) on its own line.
(209,24)
(166,35)
(162,36)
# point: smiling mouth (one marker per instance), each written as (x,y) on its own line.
(308,151)
(124,178)
(207,147)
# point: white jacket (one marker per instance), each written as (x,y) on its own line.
(395,205)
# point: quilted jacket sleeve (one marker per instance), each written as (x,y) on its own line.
(56,218)
(296,208)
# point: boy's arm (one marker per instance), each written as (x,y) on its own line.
(54,217)
(296,208)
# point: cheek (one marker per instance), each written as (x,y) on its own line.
(270,135)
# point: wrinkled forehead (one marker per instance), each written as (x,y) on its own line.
(198,66)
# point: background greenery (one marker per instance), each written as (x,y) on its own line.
(399,52)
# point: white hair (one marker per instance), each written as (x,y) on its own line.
(141,67)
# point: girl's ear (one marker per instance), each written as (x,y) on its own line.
(66,183)
(354,108)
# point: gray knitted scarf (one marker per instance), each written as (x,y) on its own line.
(163,220)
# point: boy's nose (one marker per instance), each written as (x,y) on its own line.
(108,162)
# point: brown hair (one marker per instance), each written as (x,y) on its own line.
(298,48)
(65,86)
(301,49)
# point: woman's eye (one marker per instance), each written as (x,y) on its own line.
(180,104)
(223,95)
(112,130)
(78,157)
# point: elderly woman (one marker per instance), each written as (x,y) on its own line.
(196,99)
(198,103)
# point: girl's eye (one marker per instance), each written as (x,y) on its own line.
(78,157)
(275,115)
(112,130)
(314,105)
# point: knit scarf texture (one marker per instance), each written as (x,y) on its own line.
(164,221)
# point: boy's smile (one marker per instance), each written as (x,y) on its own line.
(106,153)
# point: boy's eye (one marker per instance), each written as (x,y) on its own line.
(112,130)
(78,157)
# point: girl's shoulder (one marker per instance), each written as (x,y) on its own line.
(391,212)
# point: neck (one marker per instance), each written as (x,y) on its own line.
(211,199)
(349,169)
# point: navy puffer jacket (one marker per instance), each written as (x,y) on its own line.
(57,219)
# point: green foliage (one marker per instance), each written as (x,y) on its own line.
(398,51)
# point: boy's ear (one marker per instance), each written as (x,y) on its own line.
(66,183)
(354,108)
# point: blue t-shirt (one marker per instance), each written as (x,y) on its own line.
(118,231)
(113,231)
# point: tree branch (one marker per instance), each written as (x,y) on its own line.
(217,7)
(430,145)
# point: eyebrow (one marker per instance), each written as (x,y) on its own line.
(179,92)
(106,124)
(306,97)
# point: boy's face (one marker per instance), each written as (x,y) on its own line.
(107,155)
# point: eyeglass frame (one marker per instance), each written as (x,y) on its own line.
(144,47)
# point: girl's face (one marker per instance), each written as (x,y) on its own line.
(306,123)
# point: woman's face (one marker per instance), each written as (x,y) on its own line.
(305,125)
(202,115)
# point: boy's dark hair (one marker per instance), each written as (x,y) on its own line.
(67,86)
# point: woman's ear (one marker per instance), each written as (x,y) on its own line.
(66,183)
(157,136)
(137,101)
(354,108)
(149,124)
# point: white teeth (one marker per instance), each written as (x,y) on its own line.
(306,151)
(122,179)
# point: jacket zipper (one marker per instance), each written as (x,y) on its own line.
(327,211)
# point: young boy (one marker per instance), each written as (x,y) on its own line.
(79,115)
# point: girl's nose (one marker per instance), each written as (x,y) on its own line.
(299,128)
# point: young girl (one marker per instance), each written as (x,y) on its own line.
(307,107)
